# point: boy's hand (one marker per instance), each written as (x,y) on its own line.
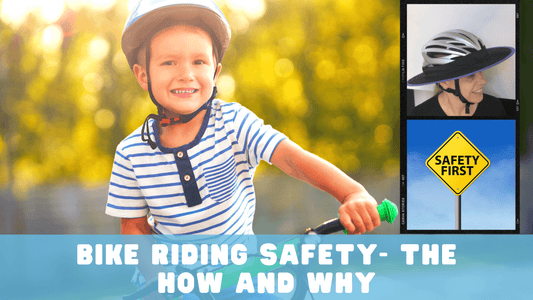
(358,213)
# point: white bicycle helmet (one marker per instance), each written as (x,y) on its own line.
(447,46)
(149,16)
(454,54)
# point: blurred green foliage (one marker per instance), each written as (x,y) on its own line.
(324,72)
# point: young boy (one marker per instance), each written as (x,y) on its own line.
(191,166)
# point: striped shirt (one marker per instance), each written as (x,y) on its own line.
(204,187)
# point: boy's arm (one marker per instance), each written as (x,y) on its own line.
(140,226)
(134,226)
(357,213)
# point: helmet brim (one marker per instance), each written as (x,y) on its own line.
(141,25)
(495,56)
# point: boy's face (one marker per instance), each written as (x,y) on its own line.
(182,69)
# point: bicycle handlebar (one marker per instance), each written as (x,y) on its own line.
(328,227)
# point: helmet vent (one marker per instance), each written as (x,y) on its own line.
(458,50)
(436,54)
(466,37)
(443,38)
(436,47)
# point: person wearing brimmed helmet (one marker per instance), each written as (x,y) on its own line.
(191,165)
(454,60)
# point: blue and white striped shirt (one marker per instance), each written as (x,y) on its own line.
(204,187)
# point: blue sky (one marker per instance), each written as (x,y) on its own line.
(488,203)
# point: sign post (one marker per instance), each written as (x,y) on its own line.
(458,212)
(457,163)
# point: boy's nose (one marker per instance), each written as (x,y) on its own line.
(185,74)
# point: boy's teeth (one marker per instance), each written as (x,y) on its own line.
(188,91)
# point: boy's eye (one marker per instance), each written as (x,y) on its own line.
(168,63)
(199,62)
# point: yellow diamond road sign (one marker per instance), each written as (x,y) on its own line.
(457,163)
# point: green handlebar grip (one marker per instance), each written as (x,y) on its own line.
(387,212)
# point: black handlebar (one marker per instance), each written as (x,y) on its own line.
(328,227)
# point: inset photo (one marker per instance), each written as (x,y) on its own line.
(461,177)
(461,60)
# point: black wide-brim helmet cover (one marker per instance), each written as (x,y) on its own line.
(463,66)
(151,16)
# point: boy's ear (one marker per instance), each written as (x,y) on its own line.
(448,84)
(140,74)
(217,72)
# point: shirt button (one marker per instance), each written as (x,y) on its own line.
(187,177)
(180,154)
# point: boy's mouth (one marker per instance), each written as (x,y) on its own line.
(478,92)
(184,91)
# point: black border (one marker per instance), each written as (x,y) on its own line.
(403,119)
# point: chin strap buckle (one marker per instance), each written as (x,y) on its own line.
(169,121)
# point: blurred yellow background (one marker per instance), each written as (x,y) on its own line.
(324,72)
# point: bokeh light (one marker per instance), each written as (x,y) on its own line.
(93,82)
(253,9)
(391,167)
(88,103)
(104,118)
(14,12)
(226,87)
(239,23)
(98,48)
(51,10)
(120,63)
(363,53)
(383,134)
(100,5)
(52,38)
(325,69)
(284,67)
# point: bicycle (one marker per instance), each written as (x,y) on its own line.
(387,212)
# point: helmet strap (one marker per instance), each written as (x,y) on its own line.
(457,92)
